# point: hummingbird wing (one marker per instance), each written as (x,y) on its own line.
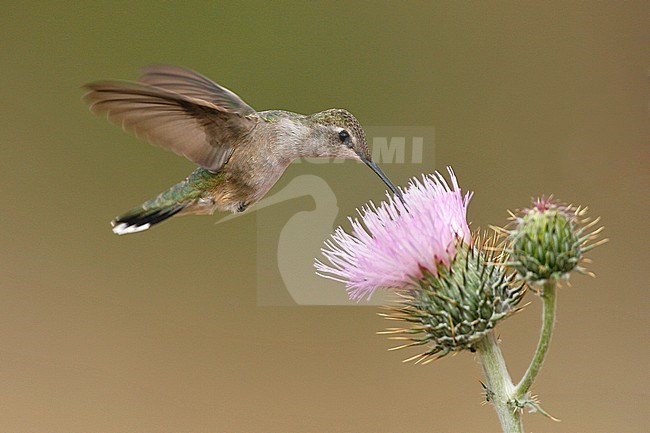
(189,83)
(199,130)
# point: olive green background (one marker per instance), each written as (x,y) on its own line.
(162,331)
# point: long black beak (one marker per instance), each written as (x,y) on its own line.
(374,167)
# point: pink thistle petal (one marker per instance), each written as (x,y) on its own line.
(391,244)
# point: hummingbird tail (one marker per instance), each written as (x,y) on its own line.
(181,197)
(143,217)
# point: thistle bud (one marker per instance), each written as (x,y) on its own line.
(548,240)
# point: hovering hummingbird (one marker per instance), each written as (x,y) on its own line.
(241,153)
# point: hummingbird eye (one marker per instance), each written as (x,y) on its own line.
(343,135)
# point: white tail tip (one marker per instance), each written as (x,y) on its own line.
(123,229)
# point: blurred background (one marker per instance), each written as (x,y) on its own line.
(163,331)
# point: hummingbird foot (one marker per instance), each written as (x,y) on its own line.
(242,206)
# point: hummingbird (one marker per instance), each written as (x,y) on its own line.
(240,152)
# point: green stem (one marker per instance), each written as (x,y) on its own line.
(499,386)
(548,320)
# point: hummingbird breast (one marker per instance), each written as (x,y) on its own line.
(256,164)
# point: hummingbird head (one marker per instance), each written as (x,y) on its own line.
(343,137)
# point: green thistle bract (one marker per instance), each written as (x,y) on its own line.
(548,240)
(453,311)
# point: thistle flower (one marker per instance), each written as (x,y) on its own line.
(395,244)
(453,288)
(459,307)
(548,240)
